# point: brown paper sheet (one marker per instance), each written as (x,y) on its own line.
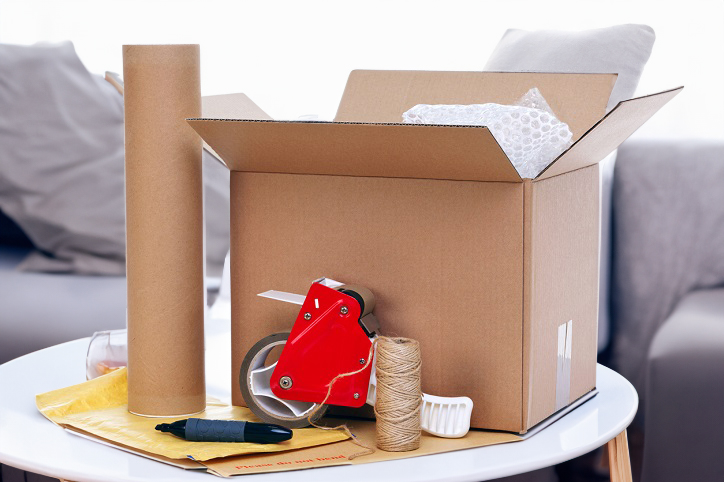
(338,453)
(164,230)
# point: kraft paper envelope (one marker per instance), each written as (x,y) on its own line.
(99,408)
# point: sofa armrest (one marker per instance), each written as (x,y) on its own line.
(668,213)
(684,433)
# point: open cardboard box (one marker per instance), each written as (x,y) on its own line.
(495,275)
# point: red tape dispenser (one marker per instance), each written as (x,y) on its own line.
(332,335)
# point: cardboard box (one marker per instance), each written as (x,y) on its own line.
(495,275)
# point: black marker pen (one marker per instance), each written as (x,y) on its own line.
(200,430)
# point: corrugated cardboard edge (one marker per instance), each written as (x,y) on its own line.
(393,150)
(550,420)
(527,308)
(561,284)
(608,133)
(229,106)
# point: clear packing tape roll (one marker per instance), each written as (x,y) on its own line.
(528,132)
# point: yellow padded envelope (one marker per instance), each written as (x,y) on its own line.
(99,407)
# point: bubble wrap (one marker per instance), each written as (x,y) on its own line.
(529,133)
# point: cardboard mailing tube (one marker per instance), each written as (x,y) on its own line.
(164,231)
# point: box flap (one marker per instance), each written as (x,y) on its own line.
(609,133)
(229,106)
(355,149)
(383,95)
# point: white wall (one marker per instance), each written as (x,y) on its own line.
(293,58)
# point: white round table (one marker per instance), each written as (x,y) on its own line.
(30,442)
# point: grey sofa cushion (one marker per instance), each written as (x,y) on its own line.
(685,393)
(62,169)
(622,49)
(62,135)
(668,211)
(39,310)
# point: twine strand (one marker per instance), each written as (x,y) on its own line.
(399,394)
(367,449)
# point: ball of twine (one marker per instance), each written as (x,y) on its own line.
(399,394)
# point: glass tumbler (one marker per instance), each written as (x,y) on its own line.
(107,351)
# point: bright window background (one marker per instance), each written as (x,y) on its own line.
(293,58)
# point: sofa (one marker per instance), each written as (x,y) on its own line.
(38,310)
(667,302)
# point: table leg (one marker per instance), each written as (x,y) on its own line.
(619,461)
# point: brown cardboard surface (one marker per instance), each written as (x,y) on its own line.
(443,259)
(383,95)
(378,150)
(338,453)
(164,217)
(561,259)
(609,133)
(229,106)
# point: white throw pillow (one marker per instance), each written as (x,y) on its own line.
(622,49)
